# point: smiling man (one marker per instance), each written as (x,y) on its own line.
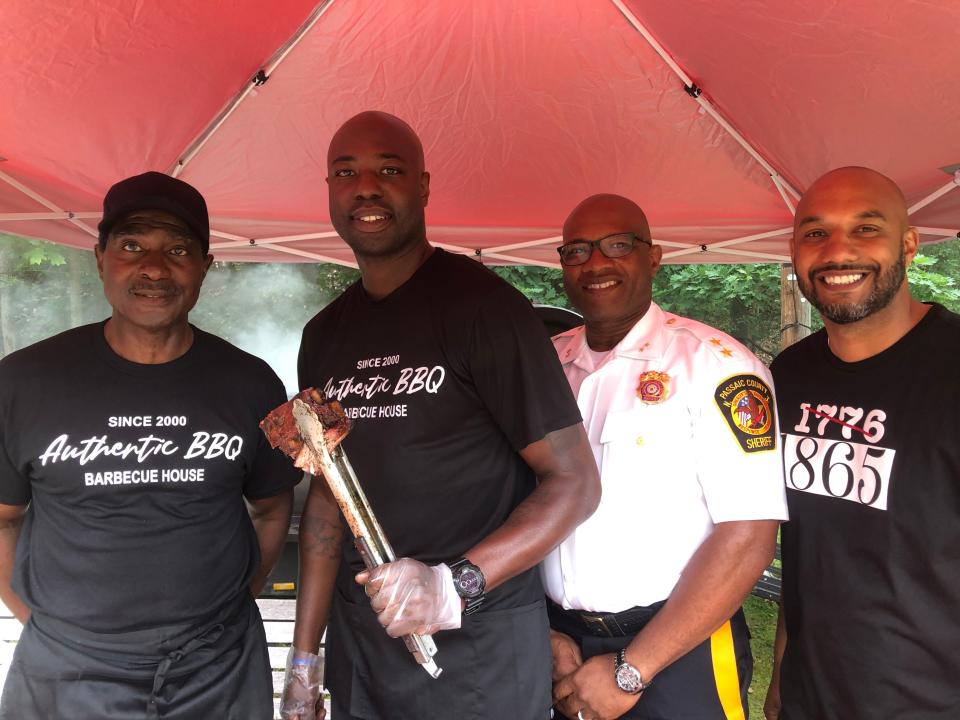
(129,447)
(870,410)
(467,443)
(645,595)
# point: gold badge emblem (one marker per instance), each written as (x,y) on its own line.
(653,387)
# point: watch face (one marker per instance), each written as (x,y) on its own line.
(469,581)
(628,678)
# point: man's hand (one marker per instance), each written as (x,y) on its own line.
(302,698)
(593,691)
(566,655)
(410,597)
(771,706)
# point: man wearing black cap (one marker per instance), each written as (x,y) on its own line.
(128,448)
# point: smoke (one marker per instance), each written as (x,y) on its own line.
(260,308)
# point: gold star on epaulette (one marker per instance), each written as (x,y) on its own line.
(726,353)
(714,341)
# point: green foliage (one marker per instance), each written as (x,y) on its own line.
(543,286)
(742,300)
(39,253)
(929,285)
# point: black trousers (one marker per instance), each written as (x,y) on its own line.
(495,667)
(708,683)
(217,669)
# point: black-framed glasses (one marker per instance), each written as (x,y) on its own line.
(612,246)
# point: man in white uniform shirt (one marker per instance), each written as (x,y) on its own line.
(645,594)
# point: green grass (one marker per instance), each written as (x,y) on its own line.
(762,621)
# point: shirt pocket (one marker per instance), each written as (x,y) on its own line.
(645,443)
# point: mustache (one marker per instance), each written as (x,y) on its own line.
(371,206)
(159,287)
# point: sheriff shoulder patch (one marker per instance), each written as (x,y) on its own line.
(746,403)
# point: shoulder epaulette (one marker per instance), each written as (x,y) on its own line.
(719,343)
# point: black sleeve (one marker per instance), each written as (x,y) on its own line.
(516,371)
(271,472)
(14,485)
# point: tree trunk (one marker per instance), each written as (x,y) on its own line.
(794,309)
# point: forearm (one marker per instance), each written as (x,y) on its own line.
(567,493)
(9,534)
(321,537)
(711,589)
(271,526)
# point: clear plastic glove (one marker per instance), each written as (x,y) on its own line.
(412,598)
(302,697)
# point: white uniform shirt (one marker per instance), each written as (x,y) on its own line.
(705,453)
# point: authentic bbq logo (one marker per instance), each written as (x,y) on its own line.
(746,403)
(653,387)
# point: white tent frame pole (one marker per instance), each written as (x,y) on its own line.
(936,195)
(754,254)
(70,217)
(312,256)
(924,230)
(455,248)
(527,244)
(518,260)
(237,241)
(783,194)
(701,100)
(278,57)
(733,241)
(64,215)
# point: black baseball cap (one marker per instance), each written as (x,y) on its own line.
(156,191)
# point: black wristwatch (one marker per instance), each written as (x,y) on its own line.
(470,583)
(627,676)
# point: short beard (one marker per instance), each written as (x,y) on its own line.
(884,290)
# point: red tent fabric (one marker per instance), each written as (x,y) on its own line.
(712,114)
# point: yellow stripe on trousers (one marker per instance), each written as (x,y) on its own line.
(725,672)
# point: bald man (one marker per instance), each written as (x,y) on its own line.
(468,445)
(870,410)
(645,595)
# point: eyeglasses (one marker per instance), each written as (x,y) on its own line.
(612,246)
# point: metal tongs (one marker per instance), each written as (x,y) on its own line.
(368,536)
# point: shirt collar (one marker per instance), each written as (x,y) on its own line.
(644,341)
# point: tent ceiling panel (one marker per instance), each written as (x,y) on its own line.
(525,108)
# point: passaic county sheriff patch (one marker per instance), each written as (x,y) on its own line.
(746,403)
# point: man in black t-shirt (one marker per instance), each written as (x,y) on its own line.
(128,449)
(870,414)
(468,444)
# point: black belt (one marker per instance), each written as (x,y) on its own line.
(598,624)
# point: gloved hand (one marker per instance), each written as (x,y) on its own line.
(302,697)
(410,597)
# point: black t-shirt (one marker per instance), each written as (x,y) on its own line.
(871,554)
(446,379)
(135,475)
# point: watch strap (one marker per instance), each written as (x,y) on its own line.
(621,659)
(471,602)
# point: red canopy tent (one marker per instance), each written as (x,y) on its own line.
(712,114)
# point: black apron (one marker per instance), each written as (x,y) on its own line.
(496,666)
(215,669)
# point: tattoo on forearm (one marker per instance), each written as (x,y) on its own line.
(319,535)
